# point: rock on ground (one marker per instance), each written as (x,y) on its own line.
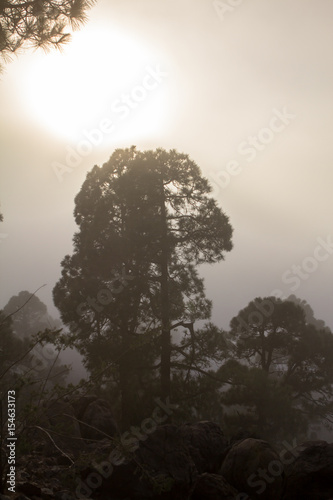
(95,417)
(253,467)
(310,475)
(167,463)
(213,487)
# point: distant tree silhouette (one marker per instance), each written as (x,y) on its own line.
(11,347)
(31,318)
(280,358)
(24,320)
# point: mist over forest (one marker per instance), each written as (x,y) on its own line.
(166,250)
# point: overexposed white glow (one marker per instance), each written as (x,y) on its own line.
(102,74)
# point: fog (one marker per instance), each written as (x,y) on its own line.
(246,93)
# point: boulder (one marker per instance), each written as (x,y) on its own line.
(310,475)
(95,417)
(206,444)
(254,468)
(213,487)
(80,404)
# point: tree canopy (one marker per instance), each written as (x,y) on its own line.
(146,220)
(280,360)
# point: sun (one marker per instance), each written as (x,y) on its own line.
(102,76)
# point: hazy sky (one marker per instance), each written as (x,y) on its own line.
(246,91)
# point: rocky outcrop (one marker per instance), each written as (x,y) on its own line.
(160,468)
(253,467)
(167,463)
(310,475)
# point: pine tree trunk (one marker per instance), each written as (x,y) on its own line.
(124,376)
(165,308)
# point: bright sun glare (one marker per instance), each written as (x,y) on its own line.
(101,75)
